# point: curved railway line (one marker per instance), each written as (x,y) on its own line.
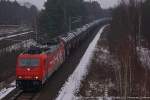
(48,91)
(51,89)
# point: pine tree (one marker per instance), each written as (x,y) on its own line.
(54,19)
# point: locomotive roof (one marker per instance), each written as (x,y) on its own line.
(68,36)
(43,48)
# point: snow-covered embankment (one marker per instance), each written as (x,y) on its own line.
(71,87)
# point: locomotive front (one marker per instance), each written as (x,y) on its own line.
(29,71)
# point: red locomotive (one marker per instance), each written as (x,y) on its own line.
(37,64)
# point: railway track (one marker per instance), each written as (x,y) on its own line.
(21,95)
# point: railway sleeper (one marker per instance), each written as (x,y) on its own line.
(28,85)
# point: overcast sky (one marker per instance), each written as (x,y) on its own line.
(107,3)
(104,3)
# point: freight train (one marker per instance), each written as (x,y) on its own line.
(37,64)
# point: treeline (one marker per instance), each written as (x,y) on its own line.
(60,16)
(12,13)
(130,24)
(57,17)
(131,21)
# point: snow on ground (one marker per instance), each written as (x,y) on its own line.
(100,83)
(144,55)
(72,85)
(5,91)
(103,57)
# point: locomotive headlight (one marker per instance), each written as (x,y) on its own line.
(20,77)
(36,77)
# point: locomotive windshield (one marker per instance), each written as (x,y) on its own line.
(29,62)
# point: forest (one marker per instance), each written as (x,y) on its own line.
(12,13)
(60,16)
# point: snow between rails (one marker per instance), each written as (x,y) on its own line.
(72,85)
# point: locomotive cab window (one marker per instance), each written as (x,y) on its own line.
(29,62)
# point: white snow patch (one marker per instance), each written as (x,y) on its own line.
(5,91)
(72,85)
(104,50)
(102,55)
(144,56)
